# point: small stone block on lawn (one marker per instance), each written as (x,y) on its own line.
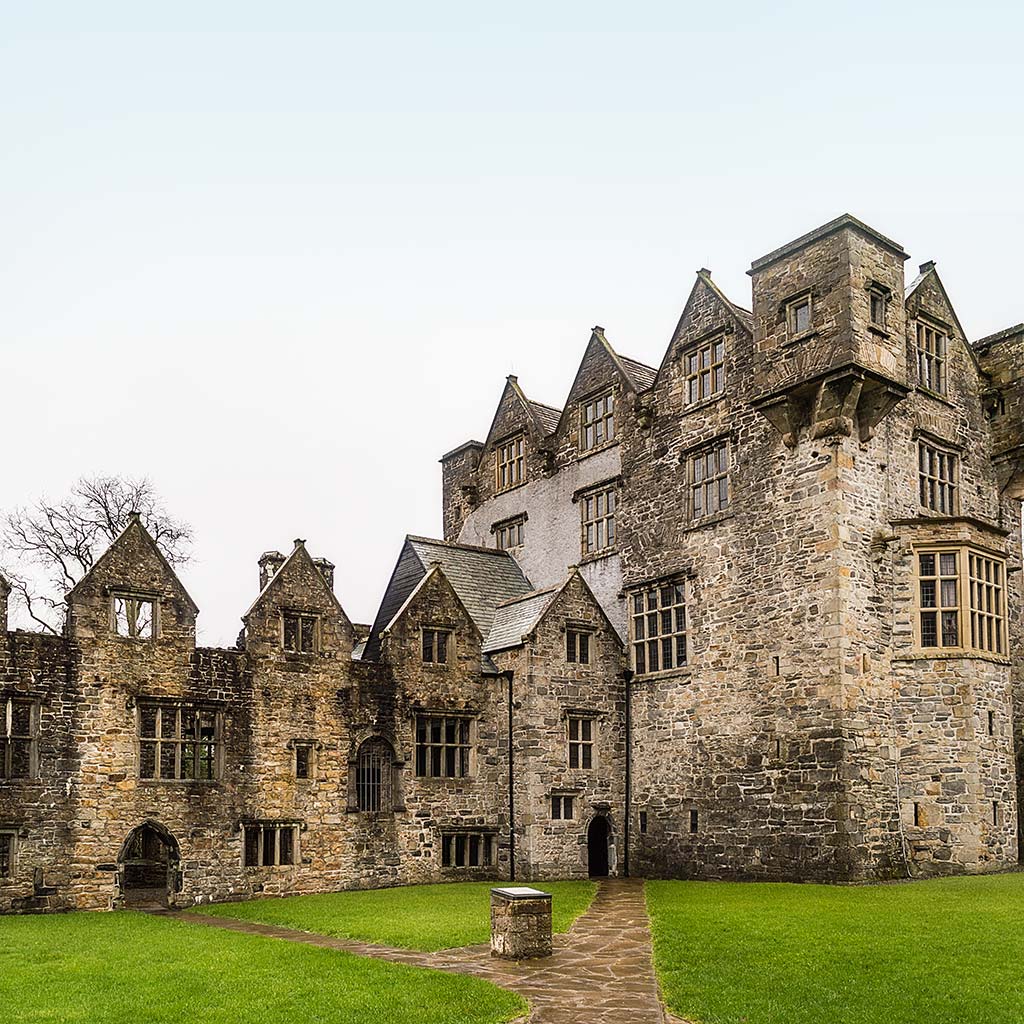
(520,923)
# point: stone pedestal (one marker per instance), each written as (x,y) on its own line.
(520,923)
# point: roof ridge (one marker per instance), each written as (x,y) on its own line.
(529,595)
(457,546)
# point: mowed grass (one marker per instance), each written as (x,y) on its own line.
(127,968)
(423,917)
(948,951)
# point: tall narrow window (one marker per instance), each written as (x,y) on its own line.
(938,473)
(577,647)
(709,481)
(510,463)
(303,760)
(373,776)
(932,347)
(705,370)
(178,741)
(436,644)
(19,738)
(443,746)
(134,617)
(7,841)
(597,421)
(598,520)
(988,615)
(658,627)
(581,742)
(300,632)
(694,820)
(798,315)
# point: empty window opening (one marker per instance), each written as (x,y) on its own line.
(562,806)
(179,741)
(269,844)
(694,821)
(995,813)
(300,632)
(7,841)
(467,849)
(991,723)
(442,746)
(577,647)
(643,823)
(303,760)
(134,617)
(581,742)
(918,814)
(435,646)
(777,664)
(19,738)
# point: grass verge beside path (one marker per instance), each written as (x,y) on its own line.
(422,917)
(123,968)
(946,951)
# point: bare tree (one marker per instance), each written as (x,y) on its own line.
(46,548)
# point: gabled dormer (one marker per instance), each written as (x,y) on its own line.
(296,616)
(132,597)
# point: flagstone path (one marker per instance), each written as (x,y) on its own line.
(600,972)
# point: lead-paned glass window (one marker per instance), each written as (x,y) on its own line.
(581,742)
(597,421)
(577,647)
(467,849)
(19,737)
(300,632)
(598,520)
(562,806)
(178,741)
(938,472)
(658,627)
(932,354)
(987,604)
(442,746)
(709,480)
(510,535)
(705,370)
(436,643)
(798,315)
(939,583)
(510,463)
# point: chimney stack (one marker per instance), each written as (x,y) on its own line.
(326,570)
(270,565)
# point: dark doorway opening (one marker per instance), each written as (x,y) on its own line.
(597,847)
(148,866)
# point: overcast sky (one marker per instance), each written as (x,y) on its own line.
(280,257)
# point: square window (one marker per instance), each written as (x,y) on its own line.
(134,617)
(300,632)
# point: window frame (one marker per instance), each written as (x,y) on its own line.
(447,648)
(797,302)
(504,537)
(127,596)
(579,645)
(657,587)
(965,591)
(602,420)
(709,483)
(301,616)
(601,525)
(880,294)
(262,826)
(932,364)
(8,737)
(933,483)
(581,747)
(11,836)
(179,741)
(450,848)
(427,750)
(715,370)
(385,786)
(510,463)
(558,806)
(309,747)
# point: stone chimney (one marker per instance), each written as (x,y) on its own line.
(270,565)
(5,590)
(326,570)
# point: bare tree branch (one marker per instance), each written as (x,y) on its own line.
(46,548)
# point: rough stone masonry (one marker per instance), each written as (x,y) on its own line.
(754,613)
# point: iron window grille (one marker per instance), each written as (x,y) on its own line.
(374,777)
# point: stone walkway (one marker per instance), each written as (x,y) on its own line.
(600,972)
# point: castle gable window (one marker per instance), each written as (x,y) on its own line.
(932,354)
(179,742)
(708,472)
(597,510)
(597,421)
(19,738)
(134,617)
(581,741)
(938,472)
(8,839)
(375,776)
(510,463)
(270,844)
(704,368)
(443,746)
(577,646)
(658,628)
(961,601)
(300,632)
(467,849)
(798,315)
(436,645)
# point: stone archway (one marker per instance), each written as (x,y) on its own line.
(148,866)
(598,843)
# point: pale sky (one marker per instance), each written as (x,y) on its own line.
(280,257)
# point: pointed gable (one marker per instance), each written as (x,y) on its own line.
(516,412)
(926,295)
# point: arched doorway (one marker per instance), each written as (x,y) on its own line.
(598,835)
(148,866)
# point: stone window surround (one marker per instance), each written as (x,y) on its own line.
(10,835)
(686,459)
(964,610)
(942,330)
(506,456)
(301,614)
(561,795)
(486,848)
(878,291)
(608,394)
(163,704)
(519,519)
(313,747)
(706,343)
(581,493)
(125,593)
(579,629)
(583,715)
(395,779)
(463,715)
(263,825)
(787,315)
(954,456)
(682,578)
(7,735)
(435,628)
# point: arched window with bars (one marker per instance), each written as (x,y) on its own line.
(374,776)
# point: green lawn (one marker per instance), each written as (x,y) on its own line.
(948,951)
(127,968)
(424,917)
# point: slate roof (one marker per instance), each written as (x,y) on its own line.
(643,375)
(483,578)
(515,619)
(547,416)
(744,315)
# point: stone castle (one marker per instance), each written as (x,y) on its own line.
(754,613)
